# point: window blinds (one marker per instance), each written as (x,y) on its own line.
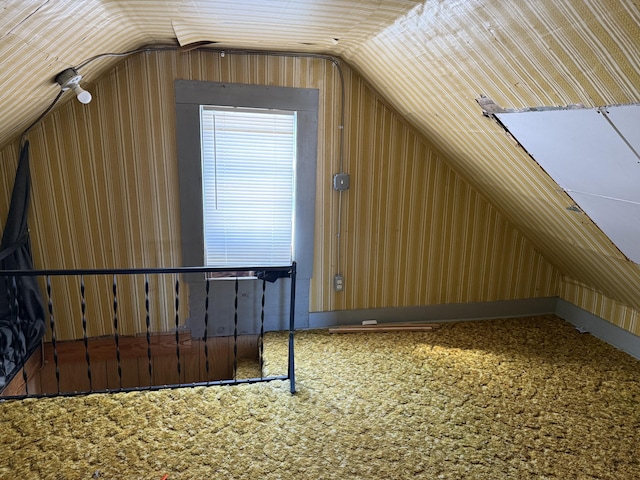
(248,161)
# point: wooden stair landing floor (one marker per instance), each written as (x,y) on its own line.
(134,363)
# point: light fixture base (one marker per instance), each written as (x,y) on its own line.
(68,78)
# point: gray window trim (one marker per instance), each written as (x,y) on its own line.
(190,94)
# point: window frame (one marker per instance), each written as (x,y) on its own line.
(190,95)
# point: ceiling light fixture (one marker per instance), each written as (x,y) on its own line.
(69,79)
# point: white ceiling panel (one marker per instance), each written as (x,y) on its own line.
(593,155)
(626,118)
(619,220)
(579,149)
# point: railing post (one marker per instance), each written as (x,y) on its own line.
(292,308)
(235,333)
(85,338)
(116,333)
(178,328)
(19,329)
(261,337)
(206,329)
(147,321)
(52,324)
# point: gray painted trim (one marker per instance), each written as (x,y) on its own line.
(599,328)
(221,307)
(190,94)
(457,312)
(451,312)
(243,95)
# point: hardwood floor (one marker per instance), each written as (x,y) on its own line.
(134,370)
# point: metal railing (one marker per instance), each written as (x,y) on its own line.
(112,347)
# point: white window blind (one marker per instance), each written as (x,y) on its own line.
(248,159)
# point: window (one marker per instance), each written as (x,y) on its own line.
(299,105)
(248,172)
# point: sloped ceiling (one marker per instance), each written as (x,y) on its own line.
(431,60)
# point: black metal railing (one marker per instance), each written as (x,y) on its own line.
(111,348)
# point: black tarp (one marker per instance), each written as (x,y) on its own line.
(22,315)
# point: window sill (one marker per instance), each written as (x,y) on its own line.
(231,276)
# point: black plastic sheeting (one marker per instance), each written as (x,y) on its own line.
(22,323)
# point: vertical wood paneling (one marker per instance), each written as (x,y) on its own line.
(599,304)
(114,158)
(432,64)
(461,254)
(414,232)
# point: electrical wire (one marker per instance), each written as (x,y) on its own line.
(84,64)
(125,54)
(42,115)
(335,61)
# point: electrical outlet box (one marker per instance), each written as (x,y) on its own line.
(341,181)
(338,283)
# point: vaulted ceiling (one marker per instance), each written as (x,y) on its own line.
(431,60)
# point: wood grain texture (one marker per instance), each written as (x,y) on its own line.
(101,349)
(413,231)
(134,363)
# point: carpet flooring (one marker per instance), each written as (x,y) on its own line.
(514,398)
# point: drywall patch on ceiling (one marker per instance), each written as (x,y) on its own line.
(592,154)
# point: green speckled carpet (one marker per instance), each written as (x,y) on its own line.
(522,398)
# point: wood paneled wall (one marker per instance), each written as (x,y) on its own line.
(600,304)
(434,62)
(105,193)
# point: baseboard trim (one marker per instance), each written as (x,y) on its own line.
(456,312)
(599,328)
(450,312)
